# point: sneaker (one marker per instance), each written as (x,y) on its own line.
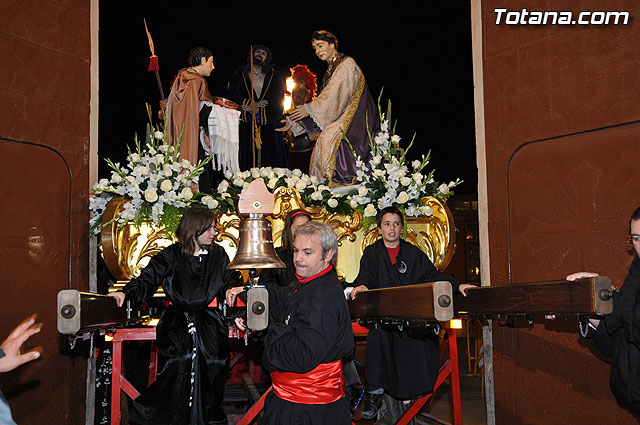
(370,405)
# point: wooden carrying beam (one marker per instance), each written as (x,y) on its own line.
(80,312)
(584,297)
(424,301)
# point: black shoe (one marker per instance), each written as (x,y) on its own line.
(353,395)
(370,405)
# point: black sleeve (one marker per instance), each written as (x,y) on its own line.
(236,90)
(142,288)
(429,273)
(600,339)
(301,347)
(232,278)
(367,273)
(270,277)
(275,109)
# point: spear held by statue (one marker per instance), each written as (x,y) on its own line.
(154,66)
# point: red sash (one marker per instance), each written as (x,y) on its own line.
(322,385)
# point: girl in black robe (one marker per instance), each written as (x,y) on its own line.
(192,338)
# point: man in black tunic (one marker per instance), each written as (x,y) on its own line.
(305,350)
(404,363)
(617,335)
(261,77)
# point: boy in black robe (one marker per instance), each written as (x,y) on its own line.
(404,363)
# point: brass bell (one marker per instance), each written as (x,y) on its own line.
(255,246)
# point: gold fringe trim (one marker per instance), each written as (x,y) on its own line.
(351,111)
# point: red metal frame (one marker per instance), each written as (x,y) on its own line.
(118,381)
(449,369)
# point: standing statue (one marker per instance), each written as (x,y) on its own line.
(259,90)
(344,110)
(184,106)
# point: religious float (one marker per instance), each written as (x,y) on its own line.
(136,211)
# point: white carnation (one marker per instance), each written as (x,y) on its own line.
(210,202)
(186,193)
(116,178)
(272,183)
(150,195)
(166,185)
(379,172)
(402,197)
(370,211)
(426,210)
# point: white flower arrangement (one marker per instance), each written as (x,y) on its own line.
(157,183)
(388,180)
(312,191)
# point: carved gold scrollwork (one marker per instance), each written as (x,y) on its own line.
(345,226)
(127,249)
(227,229)
(435,234)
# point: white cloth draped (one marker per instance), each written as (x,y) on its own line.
(223,137)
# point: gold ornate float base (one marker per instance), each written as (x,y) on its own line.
(127,249)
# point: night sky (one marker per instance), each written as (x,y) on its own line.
(421,59)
